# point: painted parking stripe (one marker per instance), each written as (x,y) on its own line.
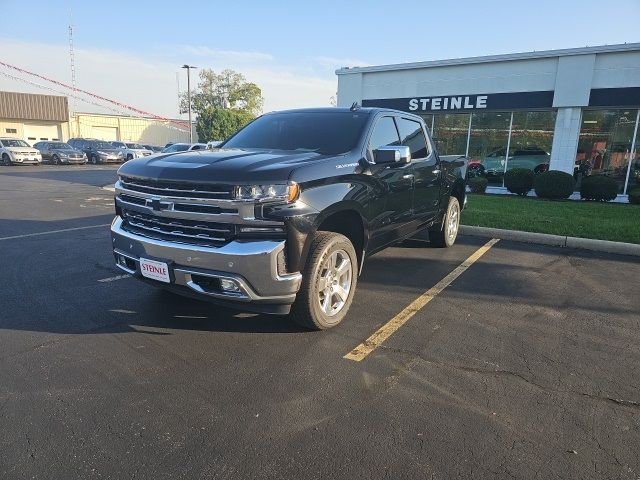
(113,279)
(370,344)
(27,235)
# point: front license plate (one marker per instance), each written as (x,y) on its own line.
(155,270)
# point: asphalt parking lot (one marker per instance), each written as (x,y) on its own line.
(526,366)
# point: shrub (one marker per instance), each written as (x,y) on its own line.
(598,188)
(519,180)
(554,184)
(634,196)
(478,184)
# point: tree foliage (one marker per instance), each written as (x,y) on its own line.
(227,89)
(215,123)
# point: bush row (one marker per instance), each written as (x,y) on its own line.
(557,185)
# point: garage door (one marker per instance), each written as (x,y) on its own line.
(35,133)
(105,133)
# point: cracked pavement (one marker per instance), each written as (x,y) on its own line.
(526,367)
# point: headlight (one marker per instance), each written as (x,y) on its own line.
(63,155)
(268,193)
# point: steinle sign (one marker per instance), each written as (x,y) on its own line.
(448,103)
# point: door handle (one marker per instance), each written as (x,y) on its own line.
(408,176)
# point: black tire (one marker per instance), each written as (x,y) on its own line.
(129,157)
(443,235)
(94,159)
(307,310)
(56,160)
(6,160)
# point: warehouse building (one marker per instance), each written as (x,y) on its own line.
(34,118)
(575,110)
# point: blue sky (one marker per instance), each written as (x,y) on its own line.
(131,50)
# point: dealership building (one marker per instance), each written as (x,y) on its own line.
(575,110)
(34,118)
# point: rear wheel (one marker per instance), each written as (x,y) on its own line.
(328,284)
(444,234)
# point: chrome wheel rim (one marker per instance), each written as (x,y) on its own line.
(334,282)
(453,222)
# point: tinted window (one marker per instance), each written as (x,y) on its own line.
(100,144)
(412,136)
(384,134)
(60,145)
(329,133)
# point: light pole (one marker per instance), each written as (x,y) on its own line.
(189,67)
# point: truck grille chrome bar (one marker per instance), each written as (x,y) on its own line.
(174,189)
(184,231)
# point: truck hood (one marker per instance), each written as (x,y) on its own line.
(241,166)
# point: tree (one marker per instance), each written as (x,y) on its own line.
(215,123)
(227,89)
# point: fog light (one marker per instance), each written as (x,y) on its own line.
(228,285)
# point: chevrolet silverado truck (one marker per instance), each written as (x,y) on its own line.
(280,217)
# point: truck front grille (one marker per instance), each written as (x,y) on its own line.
(177,189)
(178,230)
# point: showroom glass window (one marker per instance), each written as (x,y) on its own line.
(604,146)
(488,141)
(450,131)
(531,140)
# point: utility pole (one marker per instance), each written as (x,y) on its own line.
(189,67)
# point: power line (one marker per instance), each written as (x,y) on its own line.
(99,97)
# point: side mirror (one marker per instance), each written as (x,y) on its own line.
(399,155)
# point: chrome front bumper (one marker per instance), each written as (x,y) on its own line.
(252,264)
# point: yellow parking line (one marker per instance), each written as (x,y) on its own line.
(370,344)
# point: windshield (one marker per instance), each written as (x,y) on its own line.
(60,145)
(135,146)
(102,145)
(329,133)
(15,143)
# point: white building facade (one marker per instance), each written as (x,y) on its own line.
(575,110)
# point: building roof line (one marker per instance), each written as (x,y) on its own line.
(623,47)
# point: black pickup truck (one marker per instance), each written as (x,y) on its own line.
(280,217)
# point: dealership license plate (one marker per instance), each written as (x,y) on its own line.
(155,270)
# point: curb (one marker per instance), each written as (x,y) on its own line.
(553,240)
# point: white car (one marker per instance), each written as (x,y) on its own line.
(16,151)
(132,150)
(213,144)
(184,147)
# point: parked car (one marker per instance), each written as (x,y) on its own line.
(16,151)
(60,152)
(282,216)
(153,148)
(132,150)
(213,144)
(183,147)
(97,151)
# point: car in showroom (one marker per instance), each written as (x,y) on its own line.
(97,151)
(184,147)
(59,153)
(532,158)
(132,150)
(14,151)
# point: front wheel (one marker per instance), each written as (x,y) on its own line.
(328,284)
(444,234)
(6,160)
(56,160)
(94,159)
